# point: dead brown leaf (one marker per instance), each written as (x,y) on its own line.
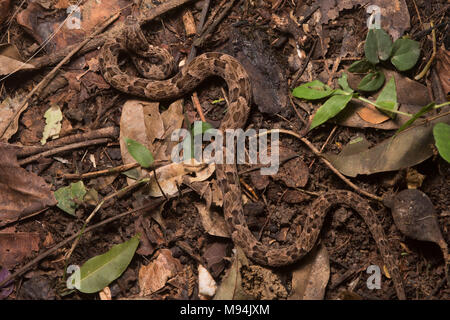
(415,216)
(132,125)
(294,173)
(21,192)
(372,115)
(40,23)
(16,246)
(231,285)
(173,175)
(295,196)
(213,221)
(7,109)
(172,120)
(259,181)
(311,276)
(443,68)
(154,276)
(214,256)
(4,10)
(407,149)
(10,59)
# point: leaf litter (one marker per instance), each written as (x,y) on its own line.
(252,277)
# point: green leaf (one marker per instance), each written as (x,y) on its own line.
(372,82)
(441,132)
(100,271)
(416,116)
(405,54)
(70,197)
(343,82)
(378,46)
(139,152)
(329,109)
(361,66)
(132,174)
(313,90)
(388,98)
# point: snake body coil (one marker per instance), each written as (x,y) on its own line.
(239,95)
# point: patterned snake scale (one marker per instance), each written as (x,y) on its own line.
(133,42)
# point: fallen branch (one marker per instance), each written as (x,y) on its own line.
(63,149)
(118,169)
(109,132)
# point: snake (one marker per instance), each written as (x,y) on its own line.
(157,84)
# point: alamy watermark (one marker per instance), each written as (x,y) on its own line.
(234,141)
(74,21)
(374,21)
(374,281)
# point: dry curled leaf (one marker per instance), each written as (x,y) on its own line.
(408,148)
(415,217)
(155,275)
(213,221)
(40,21)
(231,286)
(21,192)
(173,175)
(311,276)
(215,255)
(10,60)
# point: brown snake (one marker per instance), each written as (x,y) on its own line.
(133,42)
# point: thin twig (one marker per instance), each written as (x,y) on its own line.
(73,146)
(328,163)
(118,169)
(200,27)
(324,145)
(199,41)
(252,194)
(305,64)
(336,65)
(433,55)
(159,186)
(109,132)
(296,111)
(198,106)
(418,13)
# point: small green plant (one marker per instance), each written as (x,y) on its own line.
(441,133)
(338,99)
(403,54)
